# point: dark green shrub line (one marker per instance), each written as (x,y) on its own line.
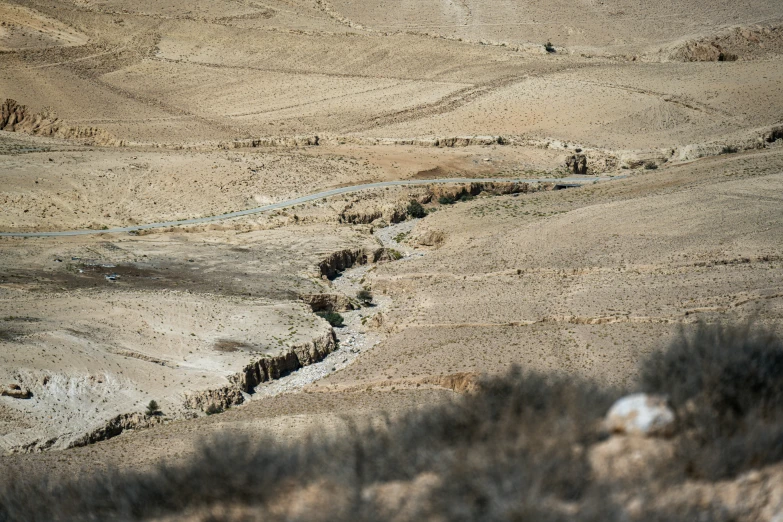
(416,210)
(333,318)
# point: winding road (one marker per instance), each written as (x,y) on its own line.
(568,182)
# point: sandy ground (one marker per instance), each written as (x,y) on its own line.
(223,105)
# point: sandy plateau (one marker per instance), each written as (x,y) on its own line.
(119,113)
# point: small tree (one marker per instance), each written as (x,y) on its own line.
(152,408)
(415,210)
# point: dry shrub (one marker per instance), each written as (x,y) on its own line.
(726,384)
(514,447)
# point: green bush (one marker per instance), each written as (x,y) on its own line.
(549,47)
(415,210)
(333,318)
(446,200)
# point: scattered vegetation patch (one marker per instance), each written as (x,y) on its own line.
(727,57)
(399,238)
(651,165)
(21,319)
(333,318)
(9,334)
(446,200)
(729,149)
(228,346)
(214,409)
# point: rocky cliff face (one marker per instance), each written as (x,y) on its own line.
(338,261)
(120,423)
(222,398)
(328,302)
(18,118)
(280,141)
(270,368)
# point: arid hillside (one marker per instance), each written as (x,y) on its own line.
(309,223)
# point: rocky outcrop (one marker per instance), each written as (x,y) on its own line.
(274,367)
(272,141)
(459,190)
(223,398)
(577,163)
(328,302)
(120,423)
(745,43)
(15,391)
(337,262)
(431,238)
(364,211)
(18,118)
(641,414)
(637,159)
(442,142)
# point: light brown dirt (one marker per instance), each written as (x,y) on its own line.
(215,106)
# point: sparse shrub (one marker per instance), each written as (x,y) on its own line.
(213,409)
(415,210)
(726,384)
(446,200)
(549,47)
(333,318)
(729,149)
(152,408)
(727,57)
(399,238)
(364,295)
(650,165)
(466,197)
(393,254)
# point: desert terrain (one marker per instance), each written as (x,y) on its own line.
(120,115)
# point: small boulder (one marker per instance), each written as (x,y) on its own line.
(641,414)
(15,391)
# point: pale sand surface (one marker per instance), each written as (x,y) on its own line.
(173,110)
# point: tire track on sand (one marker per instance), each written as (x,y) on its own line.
(448,103)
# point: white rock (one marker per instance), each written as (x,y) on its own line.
(641,414)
